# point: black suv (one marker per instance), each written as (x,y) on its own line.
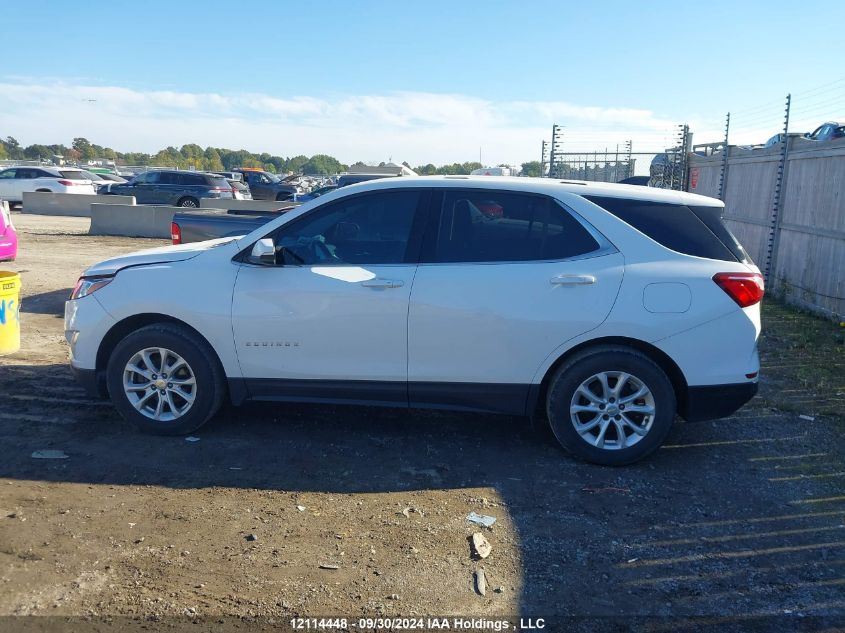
(266,186)
(171,187)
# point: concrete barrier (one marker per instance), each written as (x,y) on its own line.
(244,205)
(67,204)
(132,220)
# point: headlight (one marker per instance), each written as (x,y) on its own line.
(88,285)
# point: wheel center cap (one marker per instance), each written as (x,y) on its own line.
(160,383)
(612,409)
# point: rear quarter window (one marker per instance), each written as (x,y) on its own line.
(676,226)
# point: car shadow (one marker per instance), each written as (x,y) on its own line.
(687,532)
(51,303)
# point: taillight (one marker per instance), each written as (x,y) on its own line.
(744,288)
(68,183)
(222,189)
(175,233)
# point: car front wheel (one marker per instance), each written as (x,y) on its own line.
(610,405)
(165,379)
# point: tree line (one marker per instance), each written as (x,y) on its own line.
(192,156)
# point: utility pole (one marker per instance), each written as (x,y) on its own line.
(556,147)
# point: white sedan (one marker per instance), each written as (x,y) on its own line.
(15,180)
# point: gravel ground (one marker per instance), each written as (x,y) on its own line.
(282,510)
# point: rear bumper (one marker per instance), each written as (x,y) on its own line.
(92,381)
(716,401)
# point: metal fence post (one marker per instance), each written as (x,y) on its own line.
(723,172)
(777,205)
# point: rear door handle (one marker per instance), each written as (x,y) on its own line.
(383,283)
(572,280)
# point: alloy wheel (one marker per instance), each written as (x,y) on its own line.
(612,410)
(160,384)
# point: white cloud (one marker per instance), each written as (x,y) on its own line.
(413,126)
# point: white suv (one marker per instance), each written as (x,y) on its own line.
(605,308)
(14,181)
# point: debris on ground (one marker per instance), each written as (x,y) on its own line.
(328,566)
(481,519)
(192,438)
(47,453)
(481,582)
(481,546)
(499,589)
(251,537)
(300,508)
(809,418)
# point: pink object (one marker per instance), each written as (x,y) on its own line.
(8,236)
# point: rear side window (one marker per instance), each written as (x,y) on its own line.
(168,178)
(676,226)
(192,180)
(494,226)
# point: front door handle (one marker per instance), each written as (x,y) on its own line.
(383,283)
(572,280)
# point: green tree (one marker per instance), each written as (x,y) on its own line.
(83,146)
(13,148)
(321,164)
(532,168)
(36,152)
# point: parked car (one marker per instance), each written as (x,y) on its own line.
(189,227)
(266,186)
(603,307)
(112,177)
(827,132)
(172,188)
(239,190)
(315,193)
(8,236)
(345,180)
(14,181)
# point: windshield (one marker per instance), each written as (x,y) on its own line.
(91,175)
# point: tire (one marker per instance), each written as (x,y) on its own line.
(188,201)
(43,191)
(581,374)
(203,398)
(282,197)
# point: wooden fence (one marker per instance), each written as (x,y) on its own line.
(806,230)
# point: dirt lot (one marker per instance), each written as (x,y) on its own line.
(732,520)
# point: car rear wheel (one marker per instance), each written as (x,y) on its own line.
(165,379)
(610,405)
(281,197)
(188,202)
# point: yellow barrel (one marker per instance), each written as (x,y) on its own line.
(10,301)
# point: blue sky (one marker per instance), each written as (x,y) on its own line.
(428,81)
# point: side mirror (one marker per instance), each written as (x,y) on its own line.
(263,253)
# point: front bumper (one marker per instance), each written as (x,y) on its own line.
(715,401)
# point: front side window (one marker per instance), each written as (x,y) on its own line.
(146,178)
(494,226)
(368,229)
